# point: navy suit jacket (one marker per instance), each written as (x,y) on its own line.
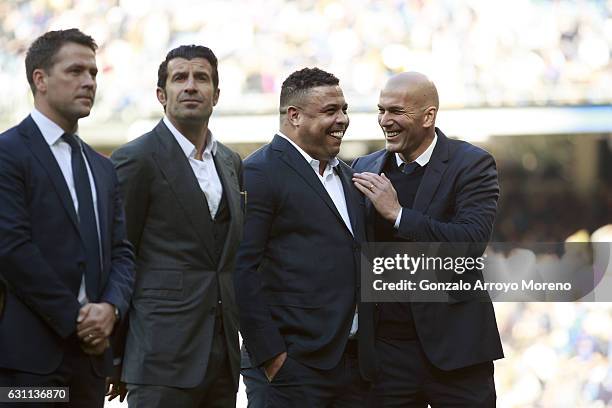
(42,256)
(456,202)
(297,270)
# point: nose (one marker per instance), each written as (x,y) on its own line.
(89,81)
(190,84)
(342,118)
(383,119)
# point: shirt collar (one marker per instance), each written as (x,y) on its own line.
(424,158)
(186,146)
(313,162)
(50,130)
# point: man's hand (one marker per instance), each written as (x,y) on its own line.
(96,350)
(272,366)
(380,191)
(115,388)
(95,323)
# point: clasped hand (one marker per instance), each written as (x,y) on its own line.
(95,324)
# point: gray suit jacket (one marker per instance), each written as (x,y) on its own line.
(172,316)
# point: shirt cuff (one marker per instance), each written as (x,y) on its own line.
(398,219)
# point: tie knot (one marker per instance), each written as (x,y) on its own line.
(72,140)
(409,168)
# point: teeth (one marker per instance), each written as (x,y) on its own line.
(337,134)
(391,134)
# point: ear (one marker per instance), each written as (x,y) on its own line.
(294,116)
(39,78)
(429,118)
(161,96)
(216,96)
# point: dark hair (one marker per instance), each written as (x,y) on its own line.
(41,54)
(298,83)
(188,52)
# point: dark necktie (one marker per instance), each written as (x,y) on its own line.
(86,214)
(409,168)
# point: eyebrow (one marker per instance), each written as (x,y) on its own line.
(392,107)
(334,105)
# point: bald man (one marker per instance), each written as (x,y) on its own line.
(425,187)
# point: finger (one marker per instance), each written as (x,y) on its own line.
(364,190)
(84,333)
(96,341)
(373,180)
(83,312)
(364,175)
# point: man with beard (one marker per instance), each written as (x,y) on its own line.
(425,187)
(65,262)
(184,218)
(297,273)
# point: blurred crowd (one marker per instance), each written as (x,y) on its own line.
(478,52)
(558,354)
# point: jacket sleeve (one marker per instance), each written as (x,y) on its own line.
(261,335)
(23,268)
(476,194)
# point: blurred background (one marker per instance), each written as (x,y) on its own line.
(528,80)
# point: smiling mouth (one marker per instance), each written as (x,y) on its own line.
(338,134)
(391,135)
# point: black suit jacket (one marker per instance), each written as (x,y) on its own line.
(297,270)
(171,321)
(456,202)
(42,256)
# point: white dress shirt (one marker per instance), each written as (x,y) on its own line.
(204,170)
(333,185)
(422,160)
(62,151)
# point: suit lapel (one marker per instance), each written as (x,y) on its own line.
(184,185)
(41,150)
(352,198)
(296,161)
(376,167)
(229,181)
(433,174)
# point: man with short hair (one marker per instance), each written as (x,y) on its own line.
(65,262)
(297,270)
(425,187)
(184,217)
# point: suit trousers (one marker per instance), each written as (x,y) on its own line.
(216,390)
(86,389)
(408,380)
(256,386)
(298,386)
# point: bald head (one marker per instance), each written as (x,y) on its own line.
(407,110)
(417,87)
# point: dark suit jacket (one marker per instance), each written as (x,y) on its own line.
(297,270)
(456,202)
(42,257)
(171,322)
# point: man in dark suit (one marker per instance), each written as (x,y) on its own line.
(65,262)
(297,273)
(184,218)
(425,187)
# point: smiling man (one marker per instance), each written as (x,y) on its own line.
(297,270)
(184,218)
(425,187)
